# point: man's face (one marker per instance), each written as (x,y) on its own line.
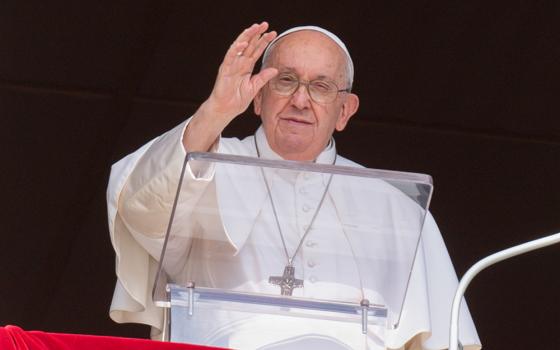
(296,127)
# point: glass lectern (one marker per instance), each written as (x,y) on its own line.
(277,254)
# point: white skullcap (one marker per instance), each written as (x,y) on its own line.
(320,30)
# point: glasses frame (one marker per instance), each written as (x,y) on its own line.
(307,83)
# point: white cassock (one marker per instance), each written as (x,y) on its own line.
(140,195)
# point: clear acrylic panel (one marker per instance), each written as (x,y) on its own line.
(274,239)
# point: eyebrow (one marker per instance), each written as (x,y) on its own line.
(284,69)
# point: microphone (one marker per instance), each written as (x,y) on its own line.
(483,264)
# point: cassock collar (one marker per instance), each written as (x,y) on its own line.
(327,156)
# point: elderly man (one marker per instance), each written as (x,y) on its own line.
(302,95)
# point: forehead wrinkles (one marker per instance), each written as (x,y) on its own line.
(322,50)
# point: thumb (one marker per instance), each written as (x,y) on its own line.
(263,77)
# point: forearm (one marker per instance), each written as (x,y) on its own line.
(204,128)
(147,198)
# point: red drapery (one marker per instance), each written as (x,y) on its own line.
(15,338)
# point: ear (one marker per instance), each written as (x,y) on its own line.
(257,103)
(349,108)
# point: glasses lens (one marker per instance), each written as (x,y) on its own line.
(322,91)
(284,84)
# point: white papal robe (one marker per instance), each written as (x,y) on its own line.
(140,195)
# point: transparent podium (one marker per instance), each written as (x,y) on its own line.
(281,255)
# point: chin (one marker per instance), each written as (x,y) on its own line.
(295,150)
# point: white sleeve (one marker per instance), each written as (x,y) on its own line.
(430,293)
(140,195)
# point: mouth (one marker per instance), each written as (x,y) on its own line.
(295,121)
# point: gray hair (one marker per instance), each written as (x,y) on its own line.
(349,67)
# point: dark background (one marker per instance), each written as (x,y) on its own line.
(466,91)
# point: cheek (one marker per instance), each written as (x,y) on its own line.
(330,118)
(269,106)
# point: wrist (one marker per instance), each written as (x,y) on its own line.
(213,111)
(204,128)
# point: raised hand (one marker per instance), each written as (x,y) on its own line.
(234,89)
(236,86)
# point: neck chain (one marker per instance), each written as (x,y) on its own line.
(287,281)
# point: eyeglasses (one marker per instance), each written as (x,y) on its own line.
(320,91)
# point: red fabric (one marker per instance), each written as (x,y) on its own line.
(15,338)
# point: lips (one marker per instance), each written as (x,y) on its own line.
(295,121)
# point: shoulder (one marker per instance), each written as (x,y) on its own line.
(340,160)
(233,145)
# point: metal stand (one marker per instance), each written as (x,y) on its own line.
(365,310)
(190,288)
(165,336)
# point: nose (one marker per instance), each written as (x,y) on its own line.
(300,98)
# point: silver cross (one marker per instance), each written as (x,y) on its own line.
(287,281)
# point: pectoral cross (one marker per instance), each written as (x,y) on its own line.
(287,281)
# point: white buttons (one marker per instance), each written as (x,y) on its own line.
(311,263)
(309,243)
(312,279)
(305,208)
(305,227)
(302,190)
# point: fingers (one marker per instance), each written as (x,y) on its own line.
(234,51)
(235,87)
(250,43)
(261,45)
(259,39)
(240,43)
(253,41)
(249,33)
(263,77)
